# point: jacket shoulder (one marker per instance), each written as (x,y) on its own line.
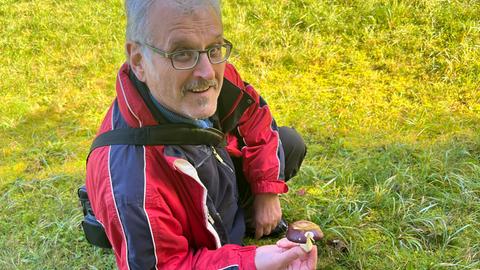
(231,74)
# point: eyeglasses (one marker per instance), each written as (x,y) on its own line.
(188,59)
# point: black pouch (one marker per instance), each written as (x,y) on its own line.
(94,231)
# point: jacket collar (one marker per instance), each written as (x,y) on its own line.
(138,109)
(132,106)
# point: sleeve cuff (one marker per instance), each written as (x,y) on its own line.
(277,187)
(247,257)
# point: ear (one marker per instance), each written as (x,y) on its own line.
(136,59)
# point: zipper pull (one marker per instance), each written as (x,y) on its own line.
(210,219)
(219,158)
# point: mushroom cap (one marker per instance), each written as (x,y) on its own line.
(297,230)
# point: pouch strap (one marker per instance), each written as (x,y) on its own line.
(165,134)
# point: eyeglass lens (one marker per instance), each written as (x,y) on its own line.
(189,59)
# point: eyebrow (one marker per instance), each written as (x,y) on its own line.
(183,43)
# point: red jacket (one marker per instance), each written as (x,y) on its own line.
(152,204)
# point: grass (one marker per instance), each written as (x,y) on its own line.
(386,94)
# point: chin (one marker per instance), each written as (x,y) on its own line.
(202,115)
(203,109)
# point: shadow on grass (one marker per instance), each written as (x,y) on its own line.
(42,140)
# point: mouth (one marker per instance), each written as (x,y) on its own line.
(198,91)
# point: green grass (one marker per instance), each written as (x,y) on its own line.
(386,94)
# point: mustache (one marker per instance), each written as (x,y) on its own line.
(199,85)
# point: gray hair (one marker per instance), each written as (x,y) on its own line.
(137,15)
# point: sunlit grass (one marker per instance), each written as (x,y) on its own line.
(386,94)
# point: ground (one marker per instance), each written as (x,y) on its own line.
(386,94)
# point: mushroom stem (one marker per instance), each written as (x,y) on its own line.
(307,247)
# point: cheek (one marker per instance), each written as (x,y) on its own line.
(165,84)
(151,76)
(219,77)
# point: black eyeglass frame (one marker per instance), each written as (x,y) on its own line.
(227,44)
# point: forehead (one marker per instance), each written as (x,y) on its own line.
(170,24)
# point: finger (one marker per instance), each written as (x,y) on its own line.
(312,257)
(308,261)
(267,229)
(272,227)
(258,232)
(285,243)
(291,255)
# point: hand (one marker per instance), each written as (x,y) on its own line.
(285,255)
(267,213)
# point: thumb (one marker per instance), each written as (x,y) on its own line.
(285,243)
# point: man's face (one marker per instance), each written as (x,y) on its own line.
(186,92)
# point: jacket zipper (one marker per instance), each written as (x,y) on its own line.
(220,159)
(210,219)
(222,234)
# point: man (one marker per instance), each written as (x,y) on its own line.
(184,207)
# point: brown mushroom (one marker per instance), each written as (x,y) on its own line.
(305,233)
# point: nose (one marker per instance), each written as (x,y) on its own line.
(204,69)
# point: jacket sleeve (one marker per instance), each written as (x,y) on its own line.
(144,230)
(263,157)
